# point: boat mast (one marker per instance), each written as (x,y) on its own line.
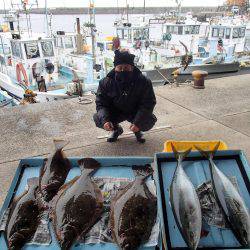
(4,8)
(46,18)
(127,6)
(92,27)
(144,10)
(117,4)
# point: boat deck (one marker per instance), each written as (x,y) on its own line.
(220,111)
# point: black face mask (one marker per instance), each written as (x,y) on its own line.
(124,76)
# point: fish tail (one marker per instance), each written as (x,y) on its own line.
(180,155)
(208,154)
(33,182)
(142,171)
(60,143)
(88,164)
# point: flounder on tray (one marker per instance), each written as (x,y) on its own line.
(23,218)
(78,205)
(54,172)
(134,211)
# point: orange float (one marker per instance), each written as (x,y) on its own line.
(20,70)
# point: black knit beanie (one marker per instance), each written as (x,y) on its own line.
(123,57)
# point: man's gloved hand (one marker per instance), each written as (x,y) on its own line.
(108,126)
(134,128)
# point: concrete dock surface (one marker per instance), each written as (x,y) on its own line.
(220,111)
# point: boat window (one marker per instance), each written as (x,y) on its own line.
(194,29)
(68,42)
(47,48)
(59,42)
(145,34)
(187,30)
(180,30)
(100,46)
(125,34)
(221,32)
(235,32)
(242,31)
(228,32)
(197,29)
(120,33)
(137,34)
(215,32)
(32,50)
(16,49)
(109,46)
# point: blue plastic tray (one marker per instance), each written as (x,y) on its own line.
(232,163)
(111,167)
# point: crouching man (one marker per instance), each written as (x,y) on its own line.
(125,94)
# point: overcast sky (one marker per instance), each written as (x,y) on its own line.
(122,3)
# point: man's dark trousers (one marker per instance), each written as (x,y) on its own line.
(147,121)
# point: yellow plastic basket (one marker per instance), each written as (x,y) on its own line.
(184,145)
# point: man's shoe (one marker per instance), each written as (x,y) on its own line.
(114,136)
(139,137)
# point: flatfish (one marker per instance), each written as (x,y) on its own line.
(78,205)
(23,219)
(134,211)
(54,172)
(231,202)
(185,203)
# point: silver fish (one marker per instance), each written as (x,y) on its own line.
(230,200)
(185,203)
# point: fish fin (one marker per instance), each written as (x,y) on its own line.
(180,155)
(60,143)
(33,182)
(89,163)
(208,154)
(142,170)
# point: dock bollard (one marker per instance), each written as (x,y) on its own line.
(199,76)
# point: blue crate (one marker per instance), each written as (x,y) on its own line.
(231,163)
(111,167)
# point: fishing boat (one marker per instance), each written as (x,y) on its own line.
(26,62)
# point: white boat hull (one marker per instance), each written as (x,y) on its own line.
(18,92)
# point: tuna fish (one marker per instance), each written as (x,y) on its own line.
(133,212)
(231,202)
(185,203)
(54,172)
(78,206)
(23,218)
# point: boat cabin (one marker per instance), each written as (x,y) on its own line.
(131,33)
(66,42)
(231,35)
(28,50)
(181,29)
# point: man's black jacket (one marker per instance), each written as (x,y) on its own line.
(136,99)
